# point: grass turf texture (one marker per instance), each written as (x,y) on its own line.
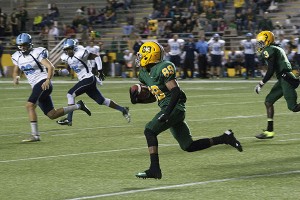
(98,156)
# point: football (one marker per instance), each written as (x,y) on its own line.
(142,90)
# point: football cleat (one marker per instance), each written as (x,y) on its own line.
(64,121)
(156,174)
(265,135)
(84,108)
(126,114)
(33,138)
(232,141)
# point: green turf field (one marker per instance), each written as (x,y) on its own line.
(98,156)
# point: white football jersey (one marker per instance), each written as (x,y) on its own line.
(297,43)
(249,46)
(216,47)
(79,63)
(31,64)
(93,49)
(175,46)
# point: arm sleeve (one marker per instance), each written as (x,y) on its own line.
(270,70)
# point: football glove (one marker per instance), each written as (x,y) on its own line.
(163,118)
(101,75)
(258,87)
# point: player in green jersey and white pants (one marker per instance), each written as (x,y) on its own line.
(160,77)
(275,58)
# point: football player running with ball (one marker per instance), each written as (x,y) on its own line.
(275,58)
(160,77)
(34,62)
(77,59)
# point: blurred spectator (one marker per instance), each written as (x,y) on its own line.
(2,23)
(297,45)
(240,21)
(284,43)
(69,32)
(23,16)
(248,45)
(53,11)
(127,29)
(37,21)
(130,19)
(177,27)
(222,26)
(250,20)
(14,22)
(238,6)
(110,15)
(202,49)
(278,29)
(81,10)
(161,28)
(264,5)
(189,54)
(92,13)
(291,55)
(79,19)
(265,24)
(53,32)
(44,36)
(188,27)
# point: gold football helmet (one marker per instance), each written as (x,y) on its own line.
(149,53)
(264,39)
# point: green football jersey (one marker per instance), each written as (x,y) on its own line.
(279,59)
(156,81)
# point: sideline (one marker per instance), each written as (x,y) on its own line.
(136,80)
(187,185)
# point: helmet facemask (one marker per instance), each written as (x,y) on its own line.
(25,48)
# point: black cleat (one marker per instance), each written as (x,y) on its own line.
(126,114)
(232,141)
(84,108)
(156,174)
(64,121)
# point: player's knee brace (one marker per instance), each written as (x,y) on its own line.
(71,98)
(106,102)
(151,138)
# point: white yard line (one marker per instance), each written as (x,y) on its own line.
(187,185)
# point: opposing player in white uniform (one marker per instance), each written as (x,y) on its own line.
(94,49)
(249,51)
(176,47)
(34,62)
(216,49)
(77,59)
